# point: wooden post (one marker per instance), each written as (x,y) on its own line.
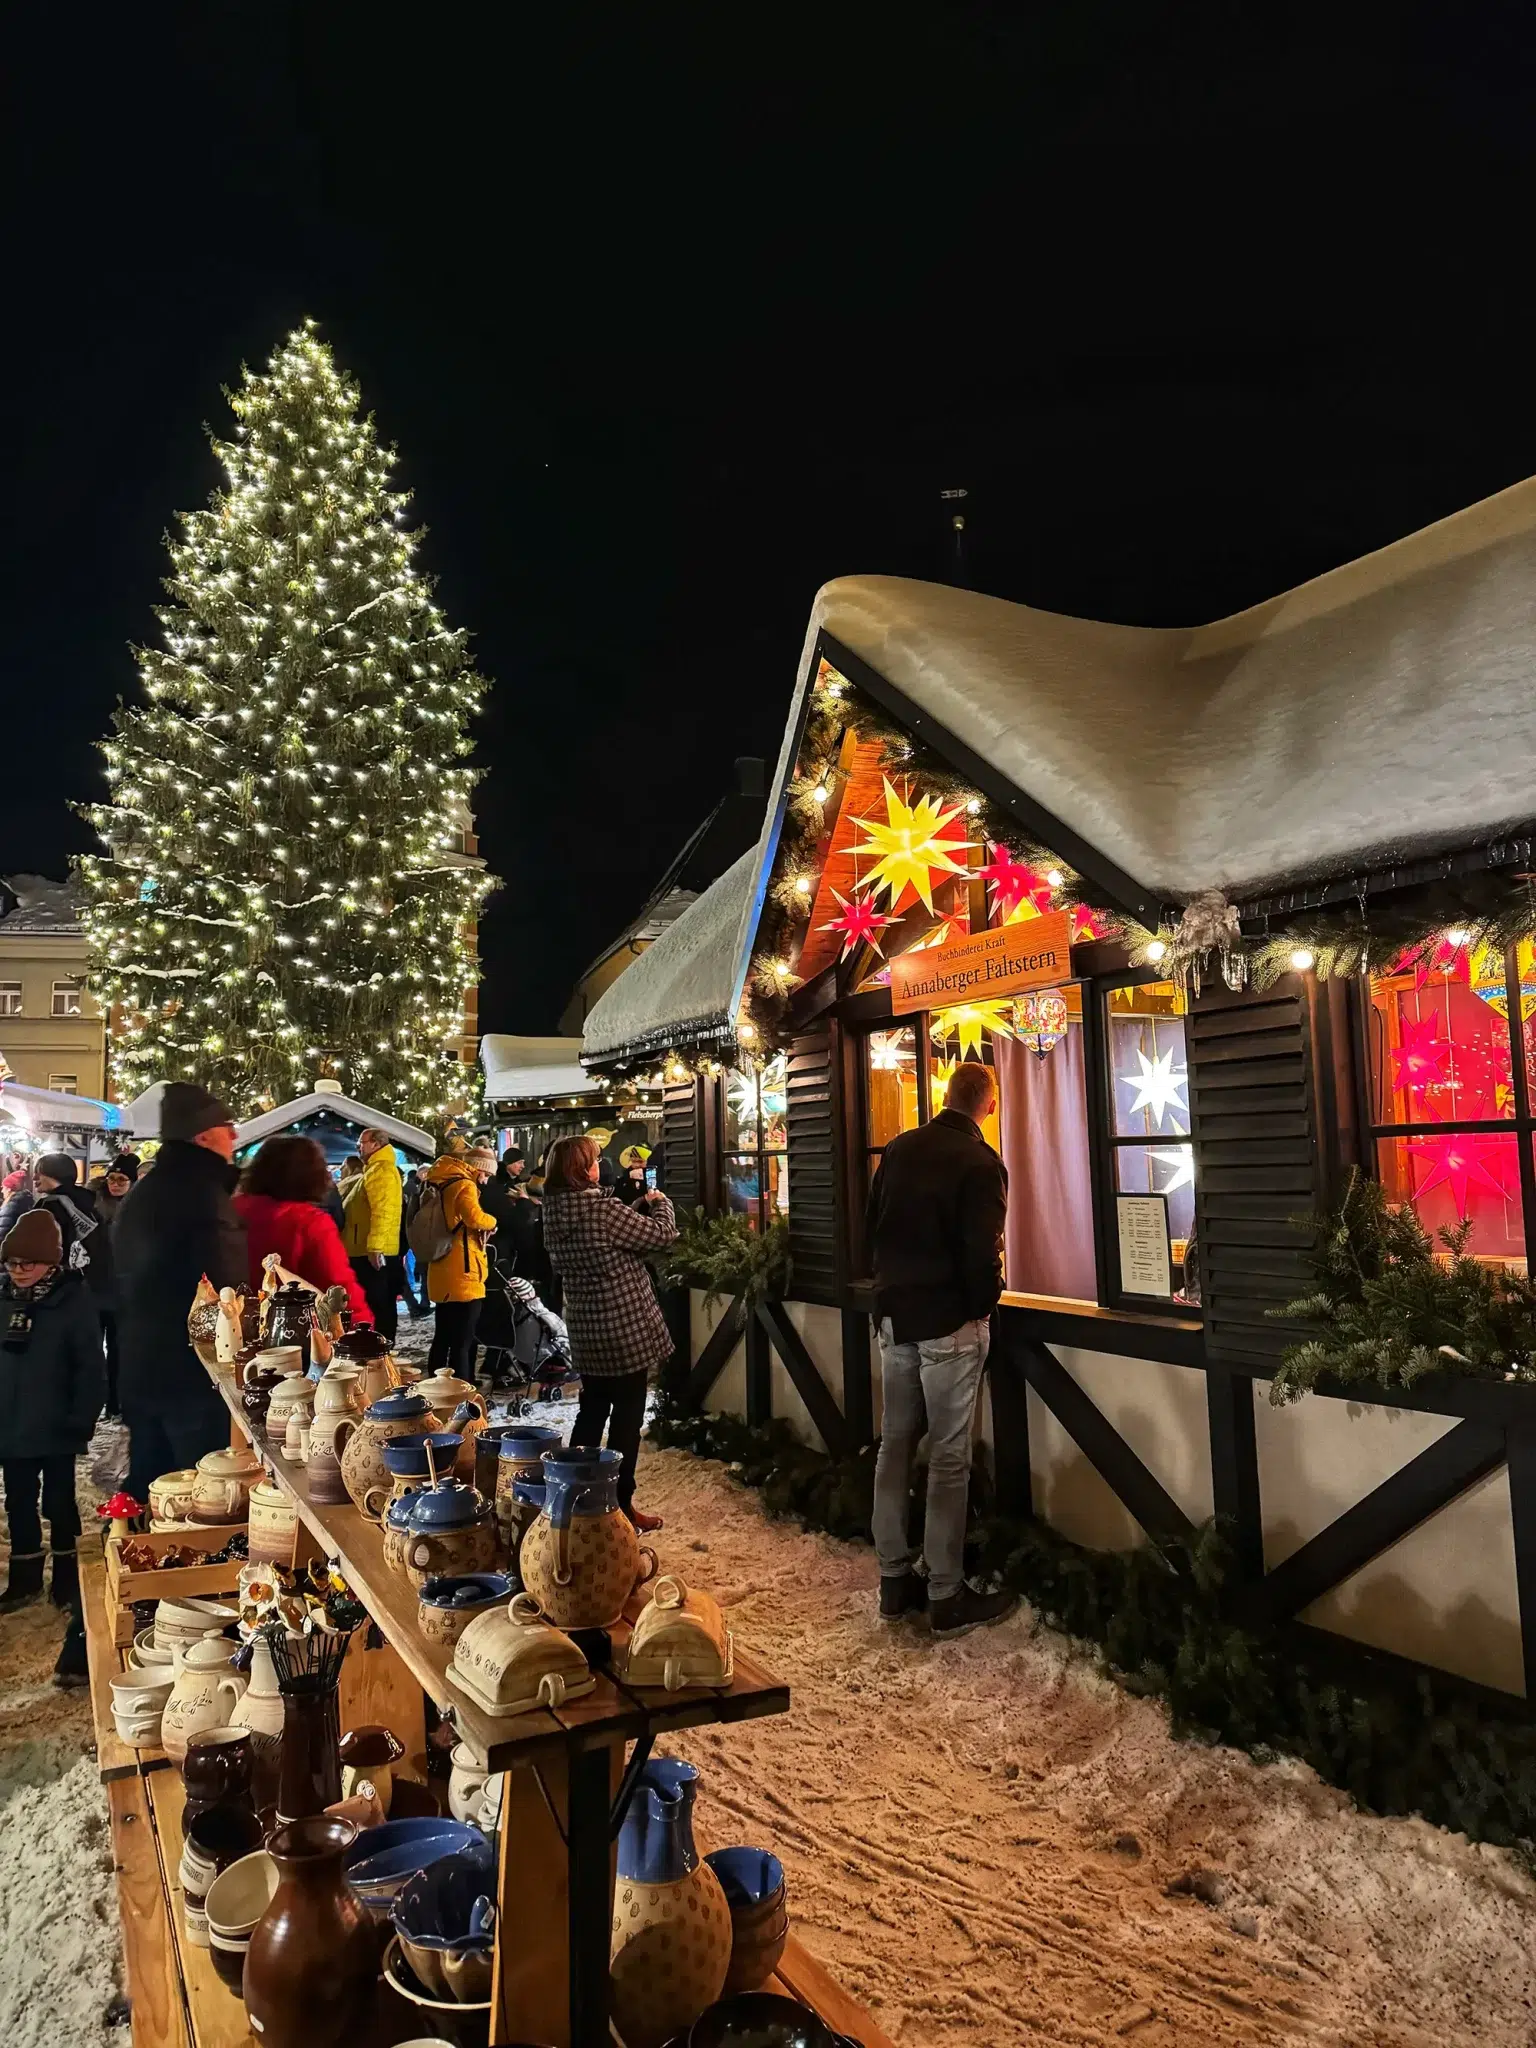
(858,1388)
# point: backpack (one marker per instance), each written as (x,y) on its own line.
(427,1233)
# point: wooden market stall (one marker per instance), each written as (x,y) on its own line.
(1234,912)
(565,1786)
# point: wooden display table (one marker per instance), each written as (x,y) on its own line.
(566,1771)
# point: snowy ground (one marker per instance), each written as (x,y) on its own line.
(979,1840)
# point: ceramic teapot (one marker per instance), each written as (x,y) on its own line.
(359,1444)
(204,1693)
(290,1316)
(580,1557)
(671,1922)
(443,1391)
(222,1488)
(370,1354)
(452,1533)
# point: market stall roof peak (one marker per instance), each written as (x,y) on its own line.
(1383,708)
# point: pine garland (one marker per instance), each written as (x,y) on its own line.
(1160,1620)
(1386,1308)
(288,891)
(725,1255)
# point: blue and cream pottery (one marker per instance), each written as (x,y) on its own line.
(671,1924)
(580,1557)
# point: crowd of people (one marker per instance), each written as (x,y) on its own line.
(98,1280)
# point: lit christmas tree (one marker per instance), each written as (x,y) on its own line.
(289,890)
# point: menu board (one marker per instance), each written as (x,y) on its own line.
(1146,1249)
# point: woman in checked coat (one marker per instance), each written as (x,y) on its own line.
(617,1331)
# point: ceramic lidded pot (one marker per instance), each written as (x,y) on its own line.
(313,1956)
(274,1524)
(290,1316)
(203,1694)
(453,1532)
(580,1557)
(223,1485)
(447,1605)
(671,1924)
(170,1496)
(258,1383)
(444,1390)
(294,1394)
(359,1444)
(397,1532)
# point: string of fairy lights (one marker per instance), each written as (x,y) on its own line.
(287,891)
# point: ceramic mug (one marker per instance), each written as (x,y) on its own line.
(296,1437)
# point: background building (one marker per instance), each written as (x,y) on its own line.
(52,1035)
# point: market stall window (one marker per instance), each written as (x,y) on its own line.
(1450,1110)
(753,1177)
(1152,1178)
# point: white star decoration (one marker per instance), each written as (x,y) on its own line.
(1157,1086)
(1182,1159)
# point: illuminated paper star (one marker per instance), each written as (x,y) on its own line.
(911,847)
(1013,884)
(1464,1161)
(968,1021)
(1158,1087)
(859,921)
(1421,1058)
(940,1074)
(1182,1159)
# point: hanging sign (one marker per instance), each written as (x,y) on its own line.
(1146,1251)
(1005,962)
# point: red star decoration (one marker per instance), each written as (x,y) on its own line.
(1464,1161)
(1422,1057)
(1013,882)
(859,921)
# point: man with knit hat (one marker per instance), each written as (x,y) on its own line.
(51,1381)
(176,1224)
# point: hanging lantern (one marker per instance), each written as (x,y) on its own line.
(1040,1021)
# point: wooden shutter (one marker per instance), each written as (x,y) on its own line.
(1257,1165)
(680,1144)
(813,1154)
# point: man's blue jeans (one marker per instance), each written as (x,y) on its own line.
(940,1375)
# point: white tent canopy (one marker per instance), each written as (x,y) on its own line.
(532,1069)
(144,1115)
(50,1109)
(688,984)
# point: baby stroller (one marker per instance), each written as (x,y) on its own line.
(526,1345)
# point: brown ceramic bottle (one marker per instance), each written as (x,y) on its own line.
(310,1967)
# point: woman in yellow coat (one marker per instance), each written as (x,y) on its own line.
(456,1280)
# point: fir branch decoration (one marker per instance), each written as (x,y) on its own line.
(1388,1308)
(724,1255)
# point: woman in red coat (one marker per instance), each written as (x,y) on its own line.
(279,1204)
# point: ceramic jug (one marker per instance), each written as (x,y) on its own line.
(313,1957)
(290,1317)
(338,1390)
(260,1707)
(359,1444)
(296,1438)
(671,1923)
(204,1694)
(580,1557)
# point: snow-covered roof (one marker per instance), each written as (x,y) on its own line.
(287,1114)
(43,908)
(686,987)
(50,1109)
(526,1069)
(1383,709)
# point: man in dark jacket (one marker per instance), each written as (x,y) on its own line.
(177,1224)
(935,1232)
(87,1244)
(51,1379)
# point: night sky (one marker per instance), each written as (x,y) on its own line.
(675,313)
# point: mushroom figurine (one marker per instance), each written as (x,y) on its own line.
(120,1510)
(366,1756)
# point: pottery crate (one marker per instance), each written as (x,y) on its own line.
(124,1588)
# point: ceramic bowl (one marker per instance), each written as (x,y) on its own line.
(406,1456)
(227,1954)
(239,1896)
(146,1651)
(446,1605)
(189,1619)
(445,1919)
(383,1859)
(141,1733)
(460,2023)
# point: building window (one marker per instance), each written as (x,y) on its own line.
(1147,1120)
(753,1158)
(1450,1061)
(10,998)
(64,1084)
(66,999)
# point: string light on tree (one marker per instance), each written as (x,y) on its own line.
(289,890)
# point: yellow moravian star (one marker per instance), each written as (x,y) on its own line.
(907,849)
(969,1020)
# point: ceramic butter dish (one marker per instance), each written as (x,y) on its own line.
(680,1640)
(513,1660)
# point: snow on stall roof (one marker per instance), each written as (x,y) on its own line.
(689,982)
(519,1068)
(1383,708)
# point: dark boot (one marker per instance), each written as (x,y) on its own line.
(71,1671)
(25,1584)
(64,1584)
(901,1594)
(969,1609)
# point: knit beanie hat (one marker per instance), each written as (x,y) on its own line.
(186,1109)
(35,1240)
(60,1167)
(13,1181)
(126,1163)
